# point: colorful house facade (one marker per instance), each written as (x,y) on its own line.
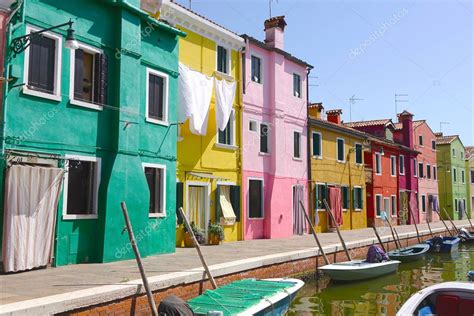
(451,176)
(96,119)
(470,178)
(209,160)
(274,151)
(337,170)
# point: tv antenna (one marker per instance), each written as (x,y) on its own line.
(190,4)
(399,98)
(270,6)
(441,126)
(352,101)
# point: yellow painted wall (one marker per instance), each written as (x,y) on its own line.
(329,171)
(200,153)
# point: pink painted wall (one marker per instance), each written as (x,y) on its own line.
(427,156)
(272,102)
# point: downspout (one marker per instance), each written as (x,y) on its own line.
(308,146)
(243,217)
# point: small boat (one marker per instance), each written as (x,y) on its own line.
(447,298)
(359,269)
(409,254)
(465,235)
(248,297)
(443,244)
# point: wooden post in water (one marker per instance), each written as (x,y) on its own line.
(313,230)
(380,240)
(391,230)
(414,222)
(456,230)
(467,215)
(131,236)
(328,209)
(429,227)
(198,248)
(396,234)
(447,228)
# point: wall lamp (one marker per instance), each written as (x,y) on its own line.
(21,43)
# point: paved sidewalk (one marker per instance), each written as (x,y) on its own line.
(46,282)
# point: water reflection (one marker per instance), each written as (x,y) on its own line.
(385,295)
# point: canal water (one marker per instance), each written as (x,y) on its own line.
(384,295)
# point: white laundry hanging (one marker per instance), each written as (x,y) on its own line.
(194,91)
(225,93)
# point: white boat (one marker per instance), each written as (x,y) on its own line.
(447,298)
(359,269)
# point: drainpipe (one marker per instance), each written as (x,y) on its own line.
(308,141)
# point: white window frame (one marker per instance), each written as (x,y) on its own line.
(315,187)
(165,96)
(293,86)
(355,154)
(72,68)
(378,154)
(248,198)
(422,142)
(259,131)
(229,62)
(256,126)
(343,150)
(381,206)
(415,169)
(428,167)
(393,166)
(97,160)
(56,96)
(401,166)
(163,184)
(261,68)
(232,146)
(300,158)
(320,145)
(392,205)
(342,196)
(362,197)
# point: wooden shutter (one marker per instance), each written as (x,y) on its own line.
(179,200)
(100,78)
(235,201)
(218,204)
(78,73)
(155,96)
(263,138)
(316,196)
(41,64)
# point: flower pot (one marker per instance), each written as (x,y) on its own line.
(213,239)
(188,240)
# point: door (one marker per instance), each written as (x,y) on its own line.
(197,209)
(299,222)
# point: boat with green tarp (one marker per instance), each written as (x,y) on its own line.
(248,297)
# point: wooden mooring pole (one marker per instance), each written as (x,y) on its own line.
(444,223)
(131,236)
(414,222)
(313,230)
(380,240)
(456,230)
(391,230)
(467,215)
(328,209)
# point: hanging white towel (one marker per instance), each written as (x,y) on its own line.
(195,91)
(225,93)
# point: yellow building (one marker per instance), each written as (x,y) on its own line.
(209,166)
(337,161)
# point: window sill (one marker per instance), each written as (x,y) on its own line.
(358,210)
(297,159)
(156,215)
(264,154)
(73,217)
(359,164)
(378,174)
(321,210)
(224,75)
(256,82)
(39,94)
(225,146)
(256,218)
(318,157)
(341,161)
(85,104)
(156,121)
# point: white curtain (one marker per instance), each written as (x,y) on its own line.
(31,203)
(197,206)
(225,93)
(194,98)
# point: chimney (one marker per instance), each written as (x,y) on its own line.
(334,116)
(406,118)
(314,110)
(439,134)
(275,32)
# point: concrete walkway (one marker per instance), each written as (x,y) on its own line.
(30,285)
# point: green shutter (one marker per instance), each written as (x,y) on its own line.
(316,144)
(361,198)
(179,200)
(218,204)
(354,198)
(235,201)
(316,196)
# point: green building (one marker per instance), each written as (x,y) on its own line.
(105,113)
(452,177)
(470,177)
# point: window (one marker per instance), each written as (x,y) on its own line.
(297,85)
(421,170)
(252,126)
(264,130)
(401,164)
(157,97)
(393,166)
(317,145)
(358,198)
(455,176)
(321,195)
(255,198)
(345,198)
(454,152)
(223,60)
(340,150)
(156,178)
(462,176)
(256,64)
(81,187)
(415,168)
(43,66)
(88,77)
(378,205)
(297,145)
(428,171)
(423,203)
(433,144)
(456,205)
(420,140)
(394,205)
(386,206)
(472,177)
(358,154)
(378,163)
(435,173)
(226,137)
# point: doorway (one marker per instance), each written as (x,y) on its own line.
(197,204)
(299,223)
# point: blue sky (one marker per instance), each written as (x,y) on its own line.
(373,50)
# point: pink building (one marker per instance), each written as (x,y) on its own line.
(274,130)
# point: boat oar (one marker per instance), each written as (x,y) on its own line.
(328,209)
(399,242)
(456,230)
(391,230)
(444,223)
(313,230)
(414,222)
(380,240)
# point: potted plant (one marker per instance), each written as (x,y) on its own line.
(215,234)
(198,233)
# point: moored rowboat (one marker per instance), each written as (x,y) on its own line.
(443,244)
(409,254)
(359,269)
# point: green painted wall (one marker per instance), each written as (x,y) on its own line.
(118,134)
(449,189)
